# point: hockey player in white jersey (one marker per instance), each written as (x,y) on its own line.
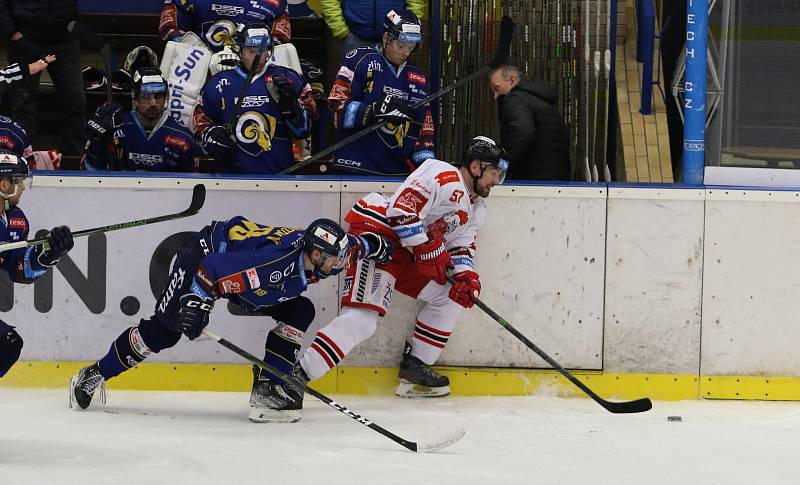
(431,222)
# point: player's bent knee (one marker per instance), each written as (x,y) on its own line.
(156,336)
(298,312)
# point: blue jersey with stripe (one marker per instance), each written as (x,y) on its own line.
(251,264)
(21,264)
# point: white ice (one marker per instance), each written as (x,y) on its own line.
(201,437)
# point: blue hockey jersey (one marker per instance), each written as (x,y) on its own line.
(169,147)
(250,264)
(263,137)
(22,264)
(14,138)
(215,21)
(393,150)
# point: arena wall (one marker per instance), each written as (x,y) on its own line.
(670,292)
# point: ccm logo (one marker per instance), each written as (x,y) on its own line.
(198,304)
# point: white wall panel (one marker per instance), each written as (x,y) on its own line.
(653,280)
(751,287)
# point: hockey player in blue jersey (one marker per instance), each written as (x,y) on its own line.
(145,138)
(262,269)
(278,106)
(23,265)
(376,84)
(14,139)
(215,21)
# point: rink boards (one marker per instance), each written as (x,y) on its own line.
(680,292)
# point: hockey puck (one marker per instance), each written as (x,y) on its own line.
(674,418)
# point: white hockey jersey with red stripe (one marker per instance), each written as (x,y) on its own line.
(433,201)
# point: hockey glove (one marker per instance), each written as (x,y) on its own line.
(193,314)
(432,260)
(375,247)
(59,242)
(389,108)
(101,125)
(466,289)
(289,102)
(216,141)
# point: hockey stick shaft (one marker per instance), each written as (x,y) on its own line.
(503,43)
(89,37)
(637,406)
(300,385)
(245,87)
(198,198)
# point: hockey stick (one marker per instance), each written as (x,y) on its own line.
(503,43)
(89,37)
(198,198)
(300,385)
(243,92)
(637,406)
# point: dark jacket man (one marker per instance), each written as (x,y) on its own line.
(531,128)
(34,29)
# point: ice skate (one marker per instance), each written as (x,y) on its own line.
(271,402)
(83,386)
(417,379)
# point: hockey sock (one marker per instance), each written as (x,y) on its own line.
(127,351)
(283,344)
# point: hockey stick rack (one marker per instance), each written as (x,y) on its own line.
(499,58)
(299,384)
(625,407)
(198,199)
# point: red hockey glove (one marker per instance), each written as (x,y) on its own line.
(433,260)
(466,288)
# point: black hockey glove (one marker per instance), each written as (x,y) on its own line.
(101,125)
(375,247)
(218,143)
(193,314)
(289,102)
(388,107)
(59,242)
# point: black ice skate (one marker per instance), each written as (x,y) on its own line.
(83,386)
(417,379)
(271,402)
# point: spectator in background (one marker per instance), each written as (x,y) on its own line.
(531,127)
(215,22)
(146,138)
(34,29)
(358,22)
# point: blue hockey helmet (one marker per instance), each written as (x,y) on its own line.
(148,81)
(255,34)
(403,25)
(327,237)
(14,168)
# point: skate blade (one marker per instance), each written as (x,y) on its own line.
(259,414)
(409,389)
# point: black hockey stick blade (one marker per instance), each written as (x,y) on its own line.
(299,384)
(198,199)
(500,55)
(503,42)
(624,407)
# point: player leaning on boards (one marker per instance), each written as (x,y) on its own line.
(431,221)
(145,138)
(262,269)
(376,84)
(23,265)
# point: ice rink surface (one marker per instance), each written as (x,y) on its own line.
(201,437)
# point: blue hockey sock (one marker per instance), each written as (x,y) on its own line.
(127,351)
(283,343)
